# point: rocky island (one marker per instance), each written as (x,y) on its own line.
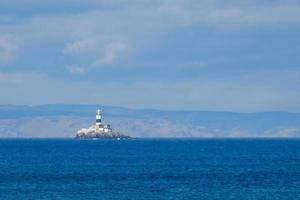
(99,130)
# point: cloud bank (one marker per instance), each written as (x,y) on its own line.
(215,55)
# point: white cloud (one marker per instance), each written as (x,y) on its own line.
(80,46)
(112,52)
(76,70)
(104,55)
(7,49)
(258,15)
(105,36)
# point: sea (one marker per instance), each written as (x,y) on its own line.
(144,169)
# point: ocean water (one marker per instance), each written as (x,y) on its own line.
(155,169)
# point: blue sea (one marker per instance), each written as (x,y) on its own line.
(144,169)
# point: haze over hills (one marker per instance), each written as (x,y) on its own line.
(65,120)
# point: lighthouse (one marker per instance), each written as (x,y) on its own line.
(99,130)
(98,117)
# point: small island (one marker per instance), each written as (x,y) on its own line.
(99,130)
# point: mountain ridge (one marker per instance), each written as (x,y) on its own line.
(63,120)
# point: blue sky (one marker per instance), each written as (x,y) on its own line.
(197,55)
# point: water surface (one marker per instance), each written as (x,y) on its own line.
(218,169)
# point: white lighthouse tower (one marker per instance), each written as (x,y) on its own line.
(98,117)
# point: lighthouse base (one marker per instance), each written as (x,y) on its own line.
(94,132)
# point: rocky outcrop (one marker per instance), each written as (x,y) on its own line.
(98,132)
(101,135)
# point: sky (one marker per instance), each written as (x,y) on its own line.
(228,55)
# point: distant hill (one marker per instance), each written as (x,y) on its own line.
(65,120)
